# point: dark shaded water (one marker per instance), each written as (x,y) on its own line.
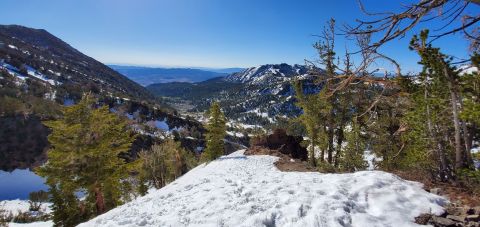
(19,183)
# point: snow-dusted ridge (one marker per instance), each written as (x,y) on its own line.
(270,73)
(239,190)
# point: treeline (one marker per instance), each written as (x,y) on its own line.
(425,123)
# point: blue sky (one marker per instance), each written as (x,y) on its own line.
(201,33)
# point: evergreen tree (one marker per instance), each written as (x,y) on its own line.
(216,132)
(438,114)
(439,66)
(86,144)
(384,129)
(315,109)
(352,159)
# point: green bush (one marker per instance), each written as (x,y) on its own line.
(470,179)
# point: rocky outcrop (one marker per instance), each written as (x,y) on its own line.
(285,144)
(455,215)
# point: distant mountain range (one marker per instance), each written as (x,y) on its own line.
(256,95)
(149,75)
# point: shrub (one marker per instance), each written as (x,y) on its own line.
(36,199)
(5,217)
(165,162)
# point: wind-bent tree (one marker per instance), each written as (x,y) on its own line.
(438,65)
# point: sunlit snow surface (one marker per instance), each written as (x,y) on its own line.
(238,190)
(16,206)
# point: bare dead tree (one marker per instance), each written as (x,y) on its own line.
(337,78)
(392,25)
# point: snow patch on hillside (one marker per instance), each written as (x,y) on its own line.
(33,224)
(16,206)
(239,190)
(33,72)
(467,69)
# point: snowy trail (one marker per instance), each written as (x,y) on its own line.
(238,190)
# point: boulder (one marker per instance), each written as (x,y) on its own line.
(452,209)
(459,218)
(285,144)
(443,222)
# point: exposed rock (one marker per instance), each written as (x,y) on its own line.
(476,210)
(285,144)
(284,163)
(443,222)
(423,219)
(473,217)
(473,224)
(436,191)
(471,211)
(452,209)
(455,215)
(460,218)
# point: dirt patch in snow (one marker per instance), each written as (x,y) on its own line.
(453,191)
(285,162)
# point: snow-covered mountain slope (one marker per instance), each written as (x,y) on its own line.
(41,55)
(270,73)
(467,69)
(238,190)
(255,96)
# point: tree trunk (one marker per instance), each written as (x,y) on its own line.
(467,139)
(322,155)
(330,145)
(312,151)
(439,151)
(340,137)
(459,156)
(99,200)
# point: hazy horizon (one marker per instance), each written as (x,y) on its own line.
(206,34)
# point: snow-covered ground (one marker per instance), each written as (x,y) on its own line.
(238,190)
(33,224)
(16,206)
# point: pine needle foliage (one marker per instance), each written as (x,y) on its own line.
(86,145)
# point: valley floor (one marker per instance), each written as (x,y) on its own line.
(239,190)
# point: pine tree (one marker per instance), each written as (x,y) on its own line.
(86,144)
(216,132)
(314,108)
(353,159)
(435,115)
(439,64)
(470,115)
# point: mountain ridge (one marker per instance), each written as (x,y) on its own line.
(256,95)
(57,60)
